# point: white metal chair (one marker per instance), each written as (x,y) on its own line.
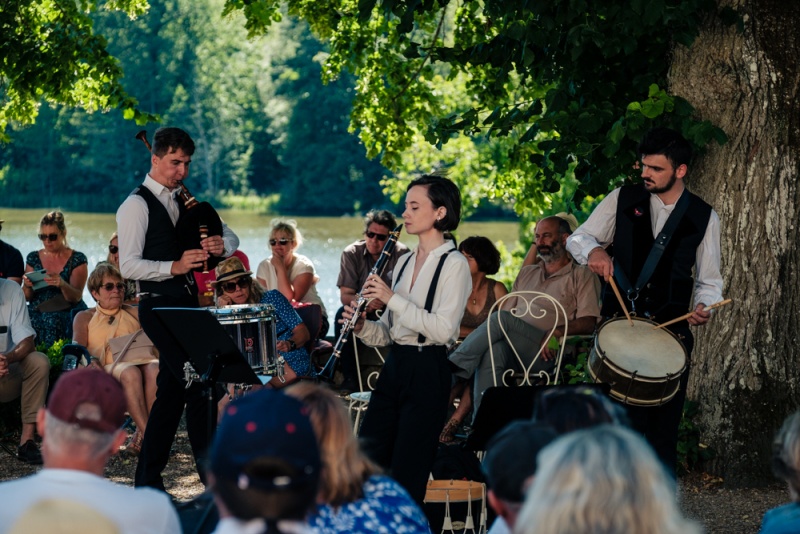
(359,400)
(537,305)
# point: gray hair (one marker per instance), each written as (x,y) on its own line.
(67,436)
(605,479)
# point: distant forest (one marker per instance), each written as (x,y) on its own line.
(270,136)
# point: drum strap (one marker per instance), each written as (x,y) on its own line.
(657,250)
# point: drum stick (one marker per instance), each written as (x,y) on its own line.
(619,298)
(684,317)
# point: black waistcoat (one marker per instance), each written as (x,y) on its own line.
(668,294)
(161,244)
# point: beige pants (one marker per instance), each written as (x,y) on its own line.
(28,378)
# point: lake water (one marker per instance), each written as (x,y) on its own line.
(324,238)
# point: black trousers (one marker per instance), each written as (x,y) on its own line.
(406,413)
(659,424)
(171,397)
(347,358)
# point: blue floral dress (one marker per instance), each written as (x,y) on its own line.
(52,326)
(385,507)
(287,320)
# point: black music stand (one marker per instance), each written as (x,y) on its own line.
(211,351)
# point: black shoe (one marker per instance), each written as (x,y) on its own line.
(349,385)
(29,453)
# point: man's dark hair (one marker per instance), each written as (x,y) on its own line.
(382,217)
(442,192)
(485,253)
(668,143)
(168,140)
(269,501)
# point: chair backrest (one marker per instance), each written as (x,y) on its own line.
(311,315)
(545,310)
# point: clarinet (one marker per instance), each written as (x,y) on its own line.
(361,302)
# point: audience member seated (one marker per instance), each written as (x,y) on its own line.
(354,497)
(574,286)
(235,286)
(532,256)
(51,308)
(205,281)
(509,466)
(290,273)
(111,318)
(786,466)
(357,260)
(602,479)
(11,264)
(572,407)
(264,465)
(484,259)
(113,258)
(24,373)
(81,430)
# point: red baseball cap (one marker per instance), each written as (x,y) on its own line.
(101,393)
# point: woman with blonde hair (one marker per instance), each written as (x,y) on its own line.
(51,307)
(786,466)
(353,496)
(605,479)
(290,273)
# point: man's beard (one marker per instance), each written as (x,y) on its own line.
(658,190)
(555,253)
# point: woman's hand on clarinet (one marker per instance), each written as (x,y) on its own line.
(347,315)
(213,245)
(376,288)
(189,260)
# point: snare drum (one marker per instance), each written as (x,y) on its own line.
(252,327)
(643,365)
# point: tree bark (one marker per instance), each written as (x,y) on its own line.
(745,371)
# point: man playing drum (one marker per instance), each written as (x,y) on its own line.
(635,219)
(557,275)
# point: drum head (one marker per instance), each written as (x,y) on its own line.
(640,349)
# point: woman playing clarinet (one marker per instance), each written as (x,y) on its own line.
(424,305)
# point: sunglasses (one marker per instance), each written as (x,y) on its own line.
(50,237)
(113,249)
(379,237)
(242,283)
(111,286)
(281,241)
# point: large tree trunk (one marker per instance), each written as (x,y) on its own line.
(745,367)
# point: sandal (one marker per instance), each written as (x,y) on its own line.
(134,446)
(449,430)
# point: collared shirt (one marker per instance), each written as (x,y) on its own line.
(14,318)
(574,286)
(599,228)
(405,317)
(132,221)
(356,264)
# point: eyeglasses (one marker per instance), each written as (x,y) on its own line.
(281,241)
(379,237)
(51,237)
(113,249)
(111,286)
(242,283)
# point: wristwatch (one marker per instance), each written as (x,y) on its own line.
(292,344)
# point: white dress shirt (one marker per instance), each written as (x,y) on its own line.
(132,221)
(599,228)
(405,316)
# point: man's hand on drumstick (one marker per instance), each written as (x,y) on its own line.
(600,263)
(700,315)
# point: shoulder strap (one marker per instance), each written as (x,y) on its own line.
(432,288)
(657,250)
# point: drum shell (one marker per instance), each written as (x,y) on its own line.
(630,386)
(252,328)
